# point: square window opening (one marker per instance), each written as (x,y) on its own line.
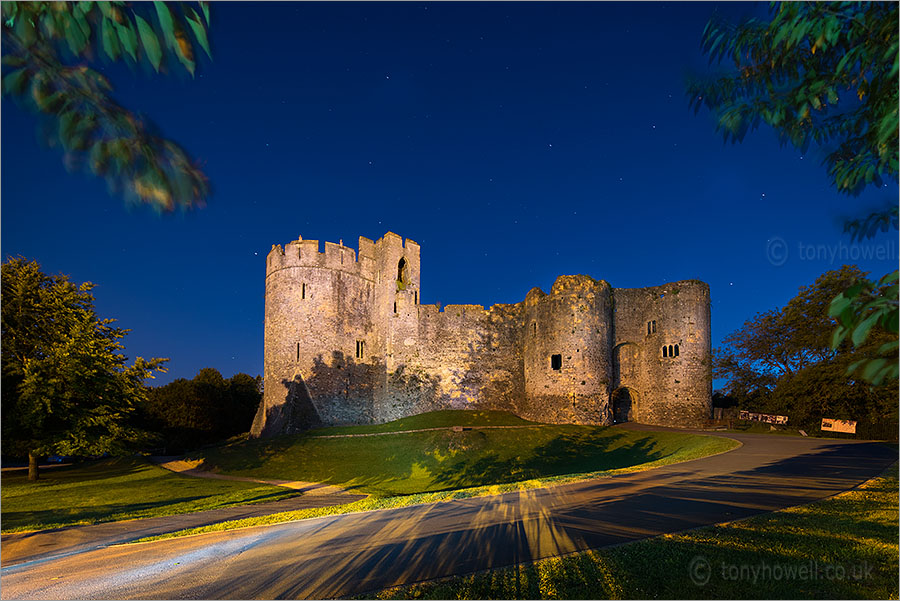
(556,362)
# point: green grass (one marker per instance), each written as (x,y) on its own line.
(853,534)
(113,490)
(432,461)
(434,419)
(576,450)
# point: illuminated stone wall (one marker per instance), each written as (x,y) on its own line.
(348,342)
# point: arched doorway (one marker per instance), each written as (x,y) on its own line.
(624,403)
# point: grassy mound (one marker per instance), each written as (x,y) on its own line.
(430,461)
(113,490)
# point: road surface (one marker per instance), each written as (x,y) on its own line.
(358,553)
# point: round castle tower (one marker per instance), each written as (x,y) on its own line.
(566,351)
(326,330)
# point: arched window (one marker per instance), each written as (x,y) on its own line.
(401,274)
(671,351)
(676,350)
(533,329)
(654,326)
(665,351)
(648,328)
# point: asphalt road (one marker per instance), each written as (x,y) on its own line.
(357,553)
(44,545)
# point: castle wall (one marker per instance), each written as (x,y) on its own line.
(347,342)
(467,356)
(667,390)
(572,323)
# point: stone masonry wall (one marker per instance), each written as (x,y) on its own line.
(668,390)
(348,342)
(573,324)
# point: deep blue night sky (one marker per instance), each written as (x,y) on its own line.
(514,142)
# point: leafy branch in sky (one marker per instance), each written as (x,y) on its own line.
(114,142)
(822,72)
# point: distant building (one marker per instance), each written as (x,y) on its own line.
(347,342)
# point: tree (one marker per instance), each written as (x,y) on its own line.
(92,128)
(782,360)
(823,72)
(206,409)
(66,388)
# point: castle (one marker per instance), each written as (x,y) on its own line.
(348,342)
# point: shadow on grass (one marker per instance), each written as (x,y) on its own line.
(565,454)
(61,518)
(83,471)
(439,460)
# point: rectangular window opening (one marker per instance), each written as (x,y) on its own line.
(360,348)
(556,362)
(417,297)
(395,306)
(303,291)
(298,351)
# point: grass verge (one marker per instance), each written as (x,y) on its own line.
(434,461)
(845,547)
(693,447)
(114,490)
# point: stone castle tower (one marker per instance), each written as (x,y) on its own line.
(348,342)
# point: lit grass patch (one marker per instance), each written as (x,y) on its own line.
(114,490)
(433,419)
(433,461)
(695,447)
(840,548)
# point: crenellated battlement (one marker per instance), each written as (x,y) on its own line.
(336,257)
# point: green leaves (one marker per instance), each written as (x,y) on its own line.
(165,20)
(861,308)
(198,29)
(791,72)
(128,37)
(110,40)
(15,82)
(149,42)
(93,128)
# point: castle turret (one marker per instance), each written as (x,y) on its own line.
(318,335)
(567,351)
